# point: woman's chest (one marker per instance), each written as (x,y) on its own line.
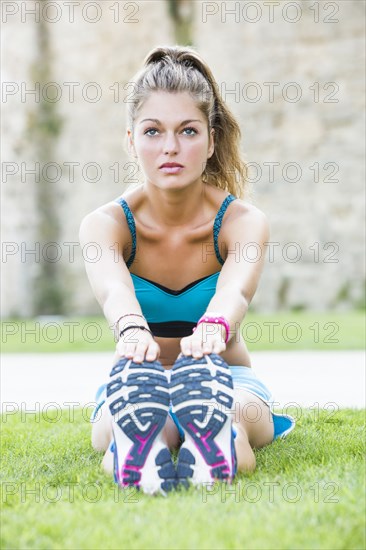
(174,257)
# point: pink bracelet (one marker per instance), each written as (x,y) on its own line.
(218,320)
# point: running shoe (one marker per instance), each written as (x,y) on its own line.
(138,399)
(202,394)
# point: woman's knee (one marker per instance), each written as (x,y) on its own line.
(101,429)
(245,456)
(254,417)
(246,464)
(101,433)
(171,434)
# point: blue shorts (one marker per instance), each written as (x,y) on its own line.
(244,378)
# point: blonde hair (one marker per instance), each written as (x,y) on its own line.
(181,69)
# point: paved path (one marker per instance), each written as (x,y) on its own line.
(305,378)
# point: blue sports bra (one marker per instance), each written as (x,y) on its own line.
(174,313)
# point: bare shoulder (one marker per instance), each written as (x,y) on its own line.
(245,221)
(245,211)
(110,209)
(107,222)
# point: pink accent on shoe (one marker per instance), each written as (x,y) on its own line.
(124,472)
(224,463)
(203,439)
(130,467)
(127,484)
(144,440)
(219,453)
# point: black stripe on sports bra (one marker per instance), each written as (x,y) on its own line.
(172,329)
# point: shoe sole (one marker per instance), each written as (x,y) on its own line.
(202,394)
(138,399)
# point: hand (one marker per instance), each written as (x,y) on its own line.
(138,345)
(207,338)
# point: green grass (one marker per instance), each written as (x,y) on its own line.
(280,331)
(306,493)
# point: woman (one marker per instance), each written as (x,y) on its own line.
(175,283)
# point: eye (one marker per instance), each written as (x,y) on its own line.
(150,130)
(190,129)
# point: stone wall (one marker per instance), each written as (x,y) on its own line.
(293,76)
(314,134)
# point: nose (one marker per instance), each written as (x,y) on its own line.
(170,144)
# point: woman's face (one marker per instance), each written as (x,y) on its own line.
(170,129)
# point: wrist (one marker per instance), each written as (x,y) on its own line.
(205,330)
(135,327)
(132,322)
(215,318)
(125,320)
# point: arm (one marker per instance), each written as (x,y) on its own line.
(245,234)
(246,237)
(111,281)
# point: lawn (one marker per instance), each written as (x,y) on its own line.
(306,493)
(281,331)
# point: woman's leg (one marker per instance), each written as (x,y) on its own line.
(102,437)
(102,425)
(202,397)
(102,434)
(102,431)
(253,422)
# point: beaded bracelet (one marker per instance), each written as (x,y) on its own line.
(114,327)
(136,326)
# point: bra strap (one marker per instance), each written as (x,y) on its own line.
(132,228)
(217,225)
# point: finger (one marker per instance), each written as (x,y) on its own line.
(207,348)
(121,348)
(147,349)
(130,351)
(140,351)
(186,349)
(130,340)
(185,345)
(197,351)
(152,352)
(219,347)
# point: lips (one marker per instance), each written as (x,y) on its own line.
(171,168)
(171,165)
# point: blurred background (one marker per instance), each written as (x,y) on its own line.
(293,74)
